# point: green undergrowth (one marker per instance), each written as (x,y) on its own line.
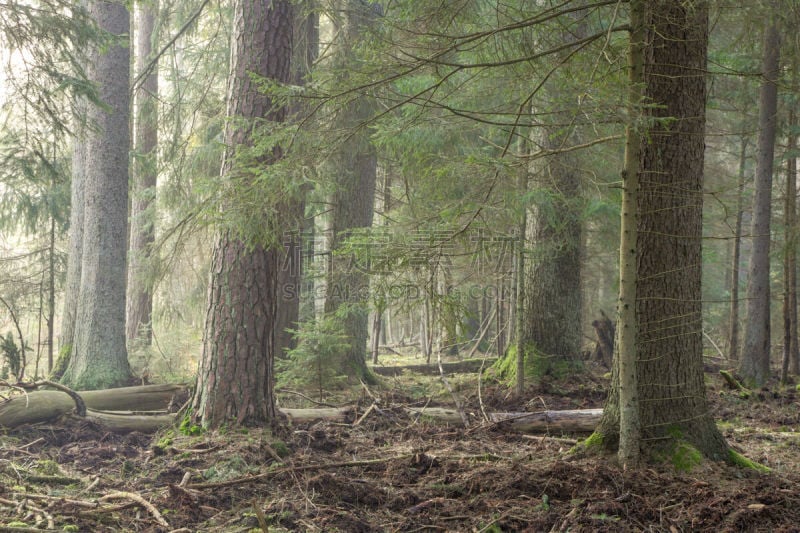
(537,365)
(743,462)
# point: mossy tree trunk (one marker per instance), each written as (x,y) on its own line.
(98,358)
(669,365)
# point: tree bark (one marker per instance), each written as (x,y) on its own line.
(733,330)
(790,347)
(145,141)
(627,328)
(72,284)
(354,169)
(669,364)
(99,358)
(755,363)
(242,335)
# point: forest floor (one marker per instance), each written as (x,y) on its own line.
(390,472)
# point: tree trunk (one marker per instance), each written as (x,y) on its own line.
(235,378)
(755,364)
(790,348)
(553,300)
(733,330)
(145,141)
(72,284)
(99,358)
(628,329)
(669,365)
(354,169)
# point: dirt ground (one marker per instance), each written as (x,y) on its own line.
(390,472)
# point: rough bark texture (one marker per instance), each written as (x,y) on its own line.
(145,139)
(552,325)
(668,312)
(354,170)
(628,331)
(756,350)
(99,358)
(235,378)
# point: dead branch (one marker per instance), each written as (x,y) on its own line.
(141,501)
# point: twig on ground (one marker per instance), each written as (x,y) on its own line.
(366,413)
(545,438)
(141,501)
(316,402)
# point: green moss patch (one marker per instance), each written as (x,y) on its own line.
(743,462)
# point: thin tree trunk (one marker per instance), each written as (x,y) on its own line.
(755,363)
(519,282)
(72,284)
(138,327)
(790,348)
(627,328)
(51,290)
(733,330)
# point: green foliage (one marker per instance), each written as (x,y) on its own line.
(189,428)
(280,448)
(537,365)
(685,457)
(320,352)
(743,462)
(593,444)
(12,355)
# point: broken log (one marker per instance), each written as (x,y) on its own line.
(454,367)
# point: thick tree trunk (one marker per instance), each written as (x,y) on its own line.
(145,140)
(235,380)
(354,169)
(669,366)
(552,322)
(99,358)
(242,336)
(755,367)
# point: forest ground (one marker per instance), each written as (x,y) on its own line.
(390,472)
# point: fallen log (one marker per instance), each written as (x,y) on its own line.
(338,414)
(569,421)
(122,422)
(44,405)
(105,408)
(454,367)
